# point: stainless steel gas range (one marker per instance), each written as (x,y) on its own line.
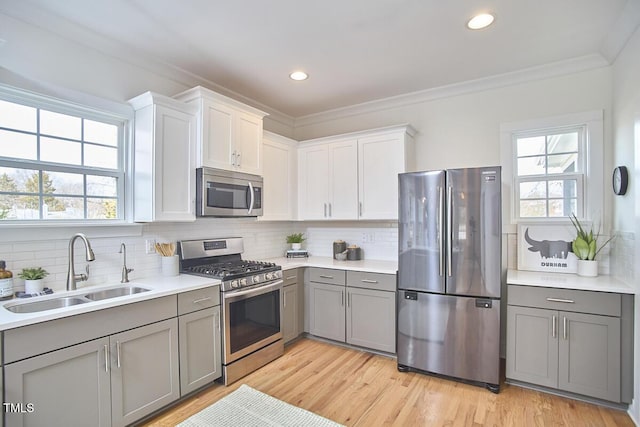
(251,294)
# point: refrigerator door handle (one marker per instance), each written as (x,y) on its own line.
(441,231)
(449,229)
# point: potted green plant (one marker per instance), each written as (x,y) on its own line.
(296,240)
(33,276)
(585,247)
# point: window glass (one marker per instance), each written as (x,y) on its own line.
(49,165)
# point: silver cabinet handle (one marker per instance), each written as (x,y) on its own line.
(238,159)
(326,277)
(568,301)
(106,358)
(118,353)
(368,281)
(290,277)
(329,210)
(360,209)
(553,326)
(441,231)
(450,230)
(348,299)
(564,327)
(233,158)
(325,210)
(284,299)
(198,301)
(342,298)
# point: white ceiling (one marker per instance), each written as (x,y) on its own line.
(355,51)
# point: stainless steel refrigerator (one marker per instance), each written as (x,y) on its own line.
(449,231)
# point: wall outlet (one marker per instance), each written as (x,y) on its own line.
(368,237)
(150,246)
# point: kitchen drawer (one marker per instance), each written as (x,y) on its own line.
(327,275)
(603,303)
(379,281)
(290,277)
(197,300)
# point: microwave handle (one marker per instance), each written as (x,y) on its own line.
(252,198)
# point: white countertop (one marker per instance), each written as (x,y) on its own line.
(159,286)
(568,281)
(369,265)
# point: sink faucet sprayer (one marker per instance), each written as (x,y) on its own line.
(72,277)
(125,270)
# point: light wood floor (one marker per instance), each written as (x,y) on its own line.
(356,388)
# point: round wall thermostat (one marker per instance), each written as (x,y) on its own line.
(620,180)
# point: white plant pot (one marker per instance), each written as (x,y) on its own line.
(587,268)
(296,246)
(33,286)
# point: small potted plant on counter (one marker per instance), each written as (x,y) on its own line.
(296,240)
(33,279)
(585,247)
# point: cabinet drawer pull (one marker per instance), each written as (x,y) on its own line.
(118,353)
(564,327)
(198,301)
(568,301)
(106,358)
(368,281)
(290,277)
(326,277)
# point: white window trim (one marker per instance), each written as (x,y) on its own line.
(83,104)
(593,186)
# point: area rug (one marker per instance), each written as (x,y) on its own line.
(247,407)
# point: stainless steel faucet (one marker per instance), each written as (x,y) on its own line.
(72,277)
(125,270)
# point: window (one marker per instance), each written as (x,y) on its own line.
(59,162)
(549,172)
(552,167)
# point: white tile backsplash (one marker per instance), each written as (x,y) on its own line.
(622,250)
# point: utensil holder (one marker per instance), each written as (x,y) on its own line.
(169,265)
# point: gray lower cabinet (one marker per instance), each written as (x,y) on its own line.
(371,319)
(111,381)
(355,307)
(292,305)
(68,387)
(200,349)
(326,310)
(144,371)
(568,340)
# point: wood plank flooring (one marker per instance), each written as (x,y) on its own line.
(357,388)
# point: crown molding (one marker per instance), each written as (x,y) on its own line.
(627,23)
(555,69)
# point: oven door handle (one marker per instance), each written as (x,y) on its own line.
(255,291)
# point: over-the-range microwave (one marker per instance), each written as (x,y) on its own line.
(227,194)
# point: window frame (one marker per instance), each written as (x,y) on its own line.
(592,162)
(120,119)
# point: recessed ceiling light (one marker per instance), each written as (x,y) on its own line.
(299,75)
(480,21)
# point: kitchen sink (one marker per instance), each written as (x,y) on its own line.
(50,304)
(115,292)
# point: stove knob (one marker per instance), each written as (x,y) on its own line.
(234,283)
(256,279)
(243,282)
(269,276)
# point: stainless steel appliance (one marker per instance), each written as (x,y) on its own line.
(225,193)
(449,273)
(251,294)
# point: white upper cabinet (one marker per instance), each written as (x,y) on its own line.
(381,157)
(279,172)
(164,159)
(353,176)
(229,132)
(328,180)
